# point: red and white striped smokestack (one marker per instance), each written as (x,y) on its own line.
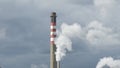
(53,28)
(53,62)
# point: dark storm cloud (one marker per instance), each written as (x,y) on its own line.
(26,29)
(24,24)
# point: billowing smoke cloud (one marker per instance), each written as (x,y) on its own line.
(109,62)
(95,33)
(63,42)
(39,66)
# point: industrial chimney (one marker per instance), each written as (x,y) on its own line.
(53,62)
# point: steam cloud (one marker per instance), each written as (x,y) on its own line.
(63,42)
(95,33)
(109,62)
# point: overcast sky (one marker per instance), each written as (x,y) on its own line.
(24,32)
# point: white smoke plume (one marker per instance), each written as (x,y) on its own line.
(94,33)
(109,62)
(63,42)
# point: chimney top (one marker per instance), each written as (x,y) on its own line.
(53,14)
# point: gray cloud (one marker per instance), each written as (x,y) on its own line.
(24,27)
(82,2)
